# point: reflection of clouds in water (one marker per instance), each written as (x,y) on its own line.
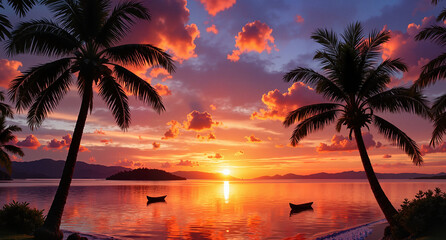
(226,191)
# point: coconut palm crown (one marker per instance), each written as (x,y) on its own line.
(82,37)
(354,81)
(435,70)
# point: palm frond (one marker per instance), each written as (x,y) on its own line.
(308,111)
(328,39)
(442,16)
(41,37)
(68,13)
(116,100)
(400,138)
(140,54)
(439,129)
(25,88)
(14,150)
(316,80)
(376,79)
(398,100)
(48,99)
(5,26)
(5,161)
(120,21)
(311,124)
(353,35)
(21,7)
(371,48)
(439,105)
(436,34)
(6,110)
(432,71)
(138,87)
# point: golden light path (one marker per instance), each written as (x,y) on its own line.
(226,191)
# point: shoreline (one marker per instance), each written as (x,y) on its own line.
(369,231)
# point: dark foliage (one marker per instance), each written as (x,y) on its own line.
(18,217)
(144,174)
(421,215)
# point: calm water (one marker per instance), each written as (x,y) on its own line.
(198,209)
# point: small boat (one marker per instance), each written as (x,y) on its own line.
(297,207)
(156,199)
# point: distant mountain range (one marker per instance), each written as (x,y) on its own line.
(145,174)
(48,168)
(350,175)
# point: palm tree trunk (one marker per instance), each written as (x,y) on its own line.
(50,229)
(383,202)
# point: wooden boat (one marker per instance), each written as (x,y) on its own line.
(156,199)
(297,207)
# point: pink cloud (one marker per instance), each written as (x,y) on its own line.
(280,104)
(252,139)
(173,131)
(212,29)
(162,90)
(55,145)
(254,37)
(8,71)
(341,143)
(129,163)
(387,156)
(199,121)
(30,142)
(156,145)
(215,6)
(169,29)
(425,149)
(83,149)
(414,53)
(299,19)
(187,163)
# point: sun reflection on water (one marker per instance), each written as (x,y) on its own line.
(226,191)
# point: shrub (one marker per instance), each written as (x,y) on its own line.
(18,217)
(422,214)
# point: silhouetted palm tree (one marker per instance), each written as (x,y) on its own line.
(433,71)
(355,83)
(6,136)
(84,40)
(20,7)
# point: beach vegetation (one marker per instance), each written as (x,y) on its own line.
(20,218)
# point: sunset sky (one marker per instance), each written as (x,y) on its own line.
(226,101)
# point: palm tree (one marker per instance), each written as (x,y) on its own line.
(6,136)
(433,71)
(21,7)
(354,81)
(85,42)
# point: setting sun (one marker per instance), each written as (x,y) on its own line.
(226,171)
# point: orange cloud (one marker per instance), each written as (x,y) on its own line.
(156,145)
(129,163)
(199,121)
(213,29)
(8,71)
(99,131)
(30,142)
(173,131)
(92,159)
(162,90)
(299,19)
(341,143)
(166,165)
(56,144)
(83,149)
(425,149)
(216,156)
(215,6)
(252,139)
(209,137)
(280,104)
(239,153)
(254,37)
(213,107)
(160,73)
(107,141)
(187,163)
